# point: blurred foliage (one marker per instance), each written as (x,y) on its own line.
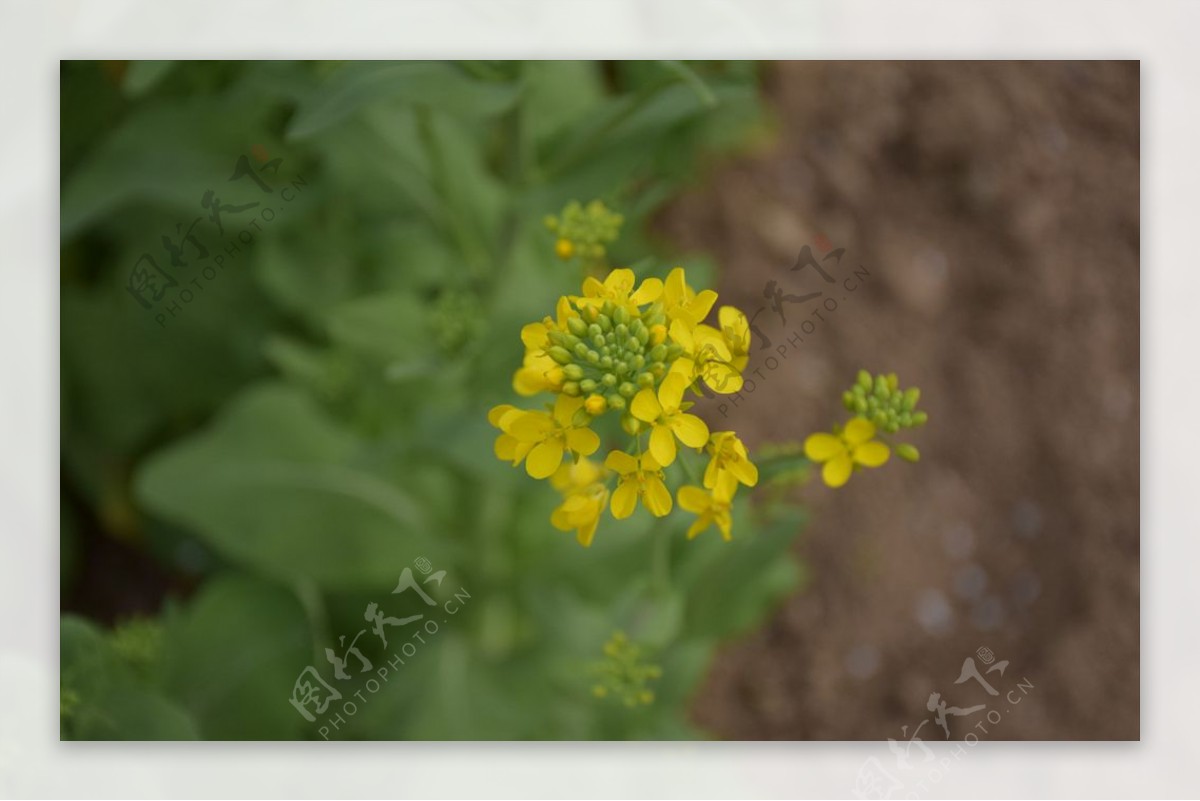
(289,440)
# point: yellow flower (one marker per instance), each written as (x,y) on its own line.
(507,447)
(735,331)
(564,248)
(538,373)
(584,499)
(638,479)
(550,435)
(729,457)
(618,288)
(681,302)
(667,418)
(710,506)
(842,451)
(705,356)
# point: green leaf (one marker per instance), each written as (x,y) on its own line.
(277,486)
(438,85)
(233,657)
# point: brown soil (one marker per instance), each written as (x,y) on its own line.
(995,206)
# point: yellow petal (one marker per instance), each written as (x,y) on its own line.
(836,471)
(690,429)
(506,447)
(544,459)
(871,454)
(586,533)
(528,381)
(744,471)
(531,426)
(650,291)
(721,377)
(657,498)
(621,463)
(710,472)
(681,332)
(670,393)
(725,523)
(565,408)
(620,281)
(624,500)
(535,336)
(702,304)
(693,499)
(649,464)
(662,445)
(734,324)
(698,526)
(823,447)
(592,288)
(645,406)
(496,413)
(583,441)
(675,287)
(858,431)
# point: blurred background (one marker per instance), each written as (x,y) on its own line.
(247,465)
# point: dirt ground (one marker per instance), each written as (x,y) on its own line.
(996,209)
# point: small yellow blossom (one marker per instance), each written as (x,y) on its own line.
(681,302)
(584,499)
(735,331)
(564,249)
(729,457)
(551,435)
(507,447)
(538,373)
(617,288)
(668,419)
(710,506)
(638,478)
(843,450)
(705,356)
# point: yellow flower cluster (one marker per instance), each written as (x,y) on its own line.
(880,406)
(632,350)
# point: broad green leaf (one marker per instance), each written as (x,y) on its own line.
(233,656)
(276,485)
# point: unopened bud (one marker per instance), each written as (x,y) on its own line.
(907,452)
(560,355)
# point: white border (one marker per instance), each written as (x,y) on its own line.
(36,33)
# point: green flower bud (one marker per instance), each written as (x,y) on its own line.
(881,387)
(645,380)
(620,314)
(641,332)
(587,386)
(598,341)
(674,351)
(560,355)
(864,380)
(573,371)
(919,418)
(880,420)
(848,400)
(632,425)
(571,388)
(606,362)
(621,368)
(609,380)
(911,396)
(658,352)
(907,452)
(581,351)
(627,390)
(861,406)
(577,326)
(593,358)
(615,401)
